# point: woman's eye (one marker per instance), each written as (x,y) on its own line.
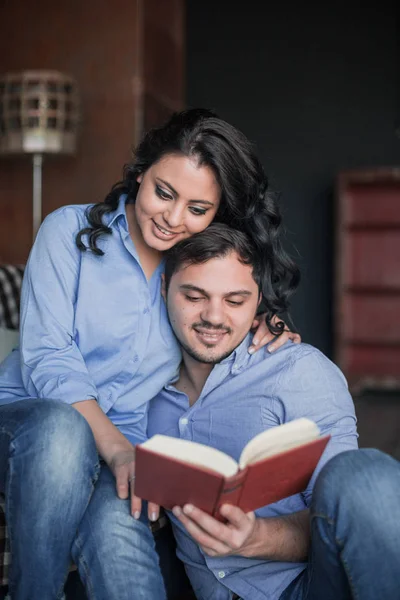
(197,211)
(163,194)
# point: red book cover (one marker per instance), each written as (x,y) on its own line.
(280,475)
(170,482)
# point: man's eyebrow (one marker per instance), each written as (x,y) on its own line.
(239,293)
(194,288)
(173,190)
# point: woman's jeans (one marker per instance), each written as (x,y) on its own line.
(355,522)
(61,505)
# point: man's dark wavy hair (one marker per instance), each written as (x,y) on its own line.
(246,204)
(217,241)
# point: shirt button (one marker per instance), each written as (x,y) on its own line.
(146,310)
(184,421)
(221,574)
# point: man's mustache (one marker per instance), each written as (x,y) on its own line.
(211,327)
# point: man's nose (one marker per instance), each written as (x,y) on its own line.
(213,312)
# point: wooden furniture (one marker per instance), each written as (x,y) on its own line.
(367,295)
(130,68)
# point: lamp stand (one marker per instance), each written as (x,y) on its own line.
(37,192)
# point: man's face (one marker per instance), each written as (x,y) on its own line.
(211,307)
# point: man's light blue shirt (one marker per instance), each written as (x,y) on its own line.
(243,396)
(91,326)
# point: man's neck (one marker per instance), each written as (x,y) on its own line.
(192,377)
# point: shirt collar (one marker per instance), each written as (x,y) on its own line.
(120,212)
(240,357)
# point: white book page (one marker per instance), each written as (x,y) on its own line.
(277,439)
(193,453)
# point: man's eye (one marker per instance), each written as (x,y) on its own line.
(233,303)
(163,194)
(193,298)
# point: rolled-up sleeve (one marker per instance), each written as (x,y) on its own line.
(315,388)
(52,364)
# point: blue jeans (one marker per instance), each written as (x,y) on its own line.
(61,505)
(355,525)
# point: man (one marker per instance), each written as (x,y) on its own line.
(223,397)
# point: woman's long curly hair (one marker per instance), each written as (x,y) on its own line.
(246,204)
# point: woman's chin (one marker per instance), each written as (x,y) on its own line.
(161,245)
(158,241)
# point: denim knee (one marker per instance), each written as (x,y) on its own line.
(113,520)
(55,439)
(356,480)
(109,517)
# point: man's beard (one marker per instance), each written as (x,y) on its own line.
(203,356)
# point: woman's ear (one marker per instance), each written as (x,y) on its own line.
(139,178)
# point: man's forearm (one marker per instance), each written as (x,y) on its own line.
(285,538)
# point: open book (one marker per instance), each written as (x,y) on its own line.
(275,464)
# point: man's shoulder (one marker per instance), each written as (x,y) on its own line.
(295,352)
(305,354)
(305,366)
(289,353)
(295,360)
(300,351)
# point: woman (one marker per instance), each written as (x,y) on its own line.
(95,335)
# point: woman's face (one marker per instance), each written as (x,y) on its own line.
(176,198)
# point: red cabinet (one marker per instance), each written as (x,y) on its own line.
(367,286)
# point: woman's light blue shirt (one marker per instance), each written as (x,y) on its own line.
(91,326)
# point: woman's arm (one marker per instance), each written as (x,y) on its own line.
(52,364)
(118,453)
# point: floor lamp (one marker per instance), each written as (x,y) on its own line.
(39,115)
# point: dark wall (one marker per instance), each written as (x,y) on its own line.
(316,89)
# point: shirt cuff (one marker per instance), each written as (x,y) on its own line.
(71,388)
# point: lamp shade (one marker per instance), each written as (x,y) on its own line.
(39,113)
